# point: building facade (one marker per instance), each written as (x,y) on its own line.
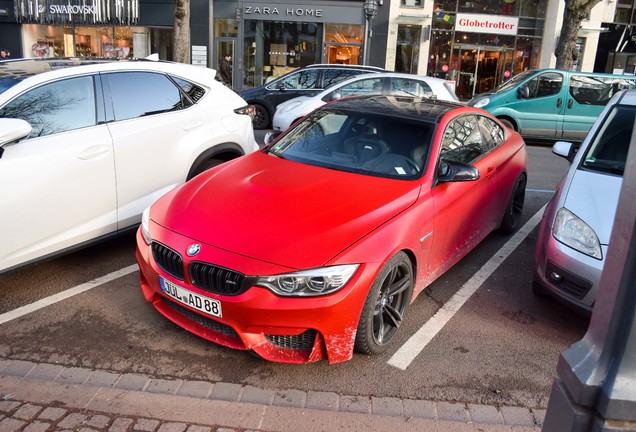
(476,43)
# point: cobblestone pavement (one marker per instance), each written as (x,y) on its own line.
(40,397)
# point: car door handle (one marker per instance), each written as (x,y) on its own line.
(570,102)
(193,125)
(93,152)
(490,171)
(559,102)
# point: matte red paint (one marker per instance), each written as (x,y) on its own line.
(366,222)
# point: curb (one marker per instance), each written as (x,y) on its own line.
(247,407)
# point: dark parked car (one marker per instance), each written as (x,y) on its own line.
(305,81)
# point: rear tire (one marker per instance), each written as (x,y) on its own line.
(385,307)
(262,118)
(508,123)
(512,216)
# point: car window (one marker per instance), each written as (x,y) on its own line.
(463,141)
(493,134)
(301,80)
(367,86)
(358,142)
(409,87)
(546,84)
(597,90)
(193,91)
(608,150)
(55,107)
(138,94)
(334,76)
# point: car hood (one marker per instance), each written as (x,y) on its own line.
(280,211)
(593,197)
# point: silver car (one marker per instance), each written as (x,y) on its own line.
(575,230)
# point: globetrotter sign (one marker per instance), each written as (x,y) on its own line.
(495,24)
(60,12)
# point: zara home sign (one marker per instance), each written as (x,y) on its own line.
(495,24)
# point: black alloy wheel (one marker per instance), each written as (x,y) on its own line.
(385,307)
(512,217)
(262,118)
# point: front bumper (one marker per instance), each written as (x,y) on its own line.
(568,275)
(281,329)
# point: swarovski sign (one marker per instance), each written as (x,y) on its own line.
(61,12)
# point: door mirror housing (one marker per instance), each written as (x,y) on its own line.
(565,149)
(523,92)
(453,171)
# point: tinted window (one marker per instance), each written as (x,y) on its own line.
(547,84)
(193,91)
(56,107)
(301,80)
(492,133)
(409,87)
(333,76)
(462,140)
(591,90)
(137,94)
(608,151)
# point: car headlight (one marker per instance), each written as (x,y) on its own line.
(306,283)
(290,106)
(482,102)
(570,230)
(145,221)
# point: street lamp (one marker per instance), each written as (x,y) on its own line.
(370,8)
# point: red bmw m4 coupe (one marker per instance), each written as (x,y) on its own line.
(315,246)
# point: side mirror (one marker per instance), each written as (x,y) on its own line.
(13,130)
(523,92)
(565,149)
(453,171)
(271,136)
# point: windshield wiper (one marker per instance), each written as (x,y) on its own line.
(610,166)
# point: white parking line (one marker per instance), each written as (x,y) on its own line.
(24,310)
(416,343)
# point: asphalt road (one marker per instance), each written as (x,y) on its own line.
(501,346)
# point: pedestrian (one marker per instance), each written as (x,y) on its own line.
(5,54)
(225,70)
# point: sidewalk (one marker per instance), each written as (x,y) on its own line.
(40,397)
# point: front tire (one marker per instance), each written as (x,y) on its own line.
(512,216)
(385,306)
(204,166)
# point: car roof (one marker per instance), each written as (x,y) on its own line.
(343,66)
(14,73)
(420,109)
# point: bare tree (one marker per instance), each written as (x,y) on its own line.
(574,13)
(182,31)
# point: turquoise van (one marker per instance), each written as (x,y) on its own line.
(551,104)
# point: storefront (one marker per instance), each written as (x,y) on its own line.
(91,28)
(268,39)
(481,43)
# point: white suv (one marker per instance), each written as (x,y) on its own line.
(107,139)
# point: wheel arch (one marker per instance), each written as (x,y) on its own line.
(223,152)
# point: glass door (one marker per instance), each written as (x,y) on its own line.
(223,47)
(480,68)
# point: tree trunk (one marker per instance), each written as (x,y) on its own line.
(575,12)
(182,31)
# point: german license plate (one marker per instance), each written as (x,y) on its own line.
(204,304)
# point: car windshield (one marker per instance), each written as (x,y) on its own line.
(365,143)
(608,151)
(512,82)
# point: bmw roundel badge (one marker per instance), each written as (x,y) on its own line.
(194,249)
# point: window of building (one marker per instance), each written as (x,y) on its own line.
(343,43)
(411,2)
(407,54)
(273,48)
